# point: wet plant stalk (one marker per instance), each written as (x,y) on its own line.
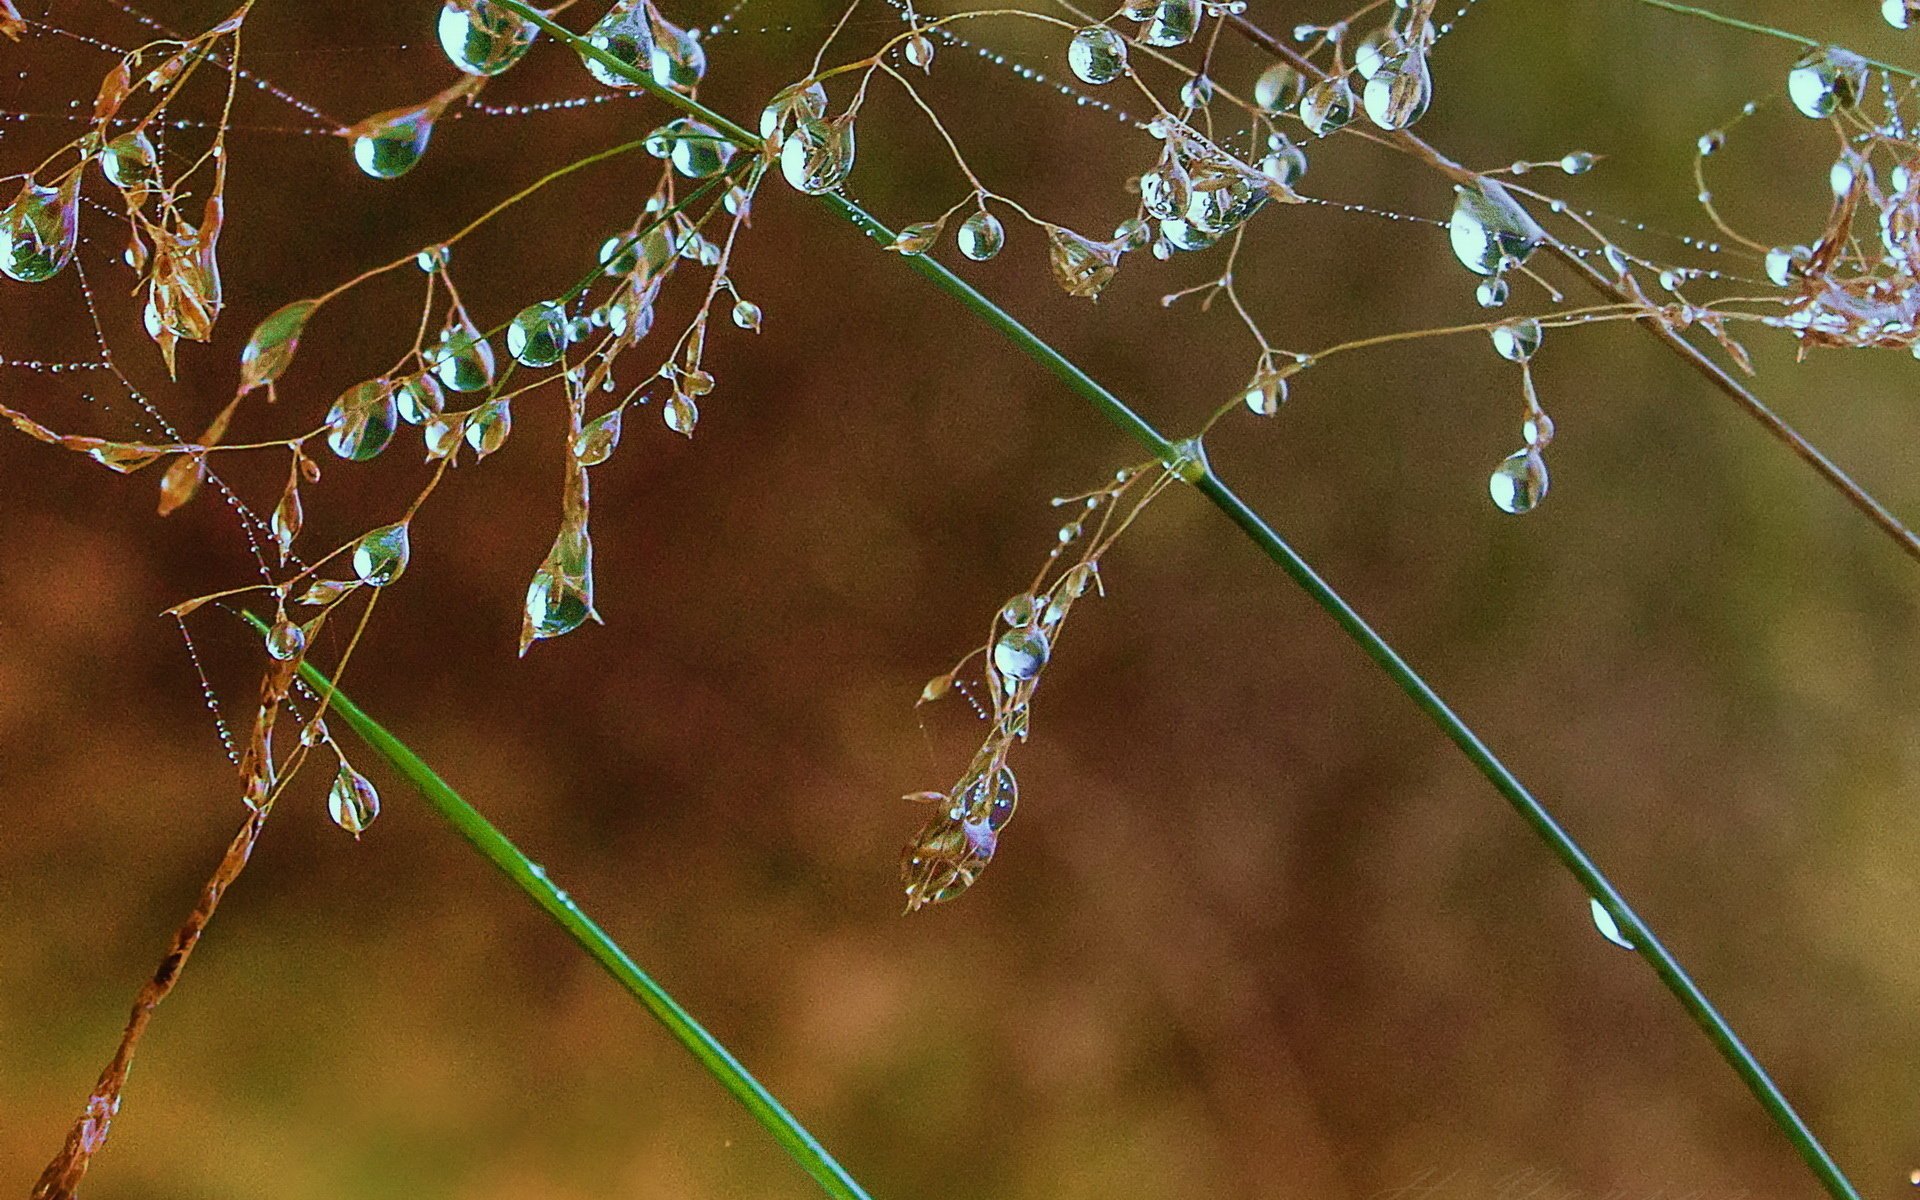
(1798,39)
(1536,815)
(530,878)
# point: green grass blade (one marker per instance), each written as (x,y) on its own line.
(531,878)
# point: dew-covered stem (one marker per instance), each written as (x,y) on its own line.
(532,879)
(1798,39)
(1531,810)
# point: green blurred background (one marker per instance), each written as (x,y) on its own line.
(1258,930)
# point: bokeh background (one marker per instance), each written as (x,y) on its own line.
(1258,931)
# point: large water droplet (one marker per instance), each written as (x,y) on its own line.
(387,146)
(1373,51)
(1519,482)
(39,230)
(1399,92)
(269,351)
(696,150)
(462,358)
(484,38)
(380,556)
(1517,341)
(679,61)
(981,236)
(1327,106)
(796,102)
(1279,88)
(1489,229)
(537,337)
(1826,80)
(362,420)
(597,438)
(1166,190)
(488,427)
(352,801)
(418,398)
(285,639)
(1900,14)
(1020,653)
(1097,54)
(818,156)
(128,160)
(1173,23)
(625,36)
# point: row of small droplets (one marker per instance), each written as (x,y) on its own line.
(263,85)
(1081,99)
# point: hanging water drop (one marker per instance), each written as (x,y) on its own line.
(488,427)
(818,156)
(1097,54)
(537,337)
(418,398)
(1279,88)
(361,422)
(352,801)
(128,161)
(696,150)
(380,556)
(1901,14)
(1517,341)
(39,230)
(1020,654)
(1492,293)
(1826,80)
(919,51)
(1489,230)
(1579,162)
(595,442)
(624,36)
(462,358)
(1373,51)
(285,640)
(1173,23)
(484,38)
(981,236)
(1519,482)
(1327,106)
(1399,93)
(679,61)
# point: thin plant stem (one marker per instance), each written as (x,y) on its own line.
(1193,467)
(531,878)
(1798,39)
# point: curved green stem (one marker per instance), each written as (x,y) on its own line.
(531,878)
(1799,39)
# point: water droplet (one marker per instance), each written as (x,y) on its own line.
(128,160)
(462,358)
(1517,341)
(388,144)
(1020,653)
(623,35)
(285,640)
(681,414)
(1519,482)
(679,61)
(1492,293)
(696,150)
(796,102)
(1081,267)
(285,523)
(1166,190)
(434,258)
(483,38)
(1399,93)
(1286,162)
(916,238)
(418,398)
(1279,88)
(919,51)
(1173,23)
(1901,14)
(1097,54)
(1711,142)
(269,351)
(361,422)
(39,230)
(1826,80)
(1373,51)
(1019,611)
(1608,927)
(747,315)
(380,556)
(1786,264)
(1490,230)
(981,236)
(537,337)
(1197,92)
(1266,393)
(597,439)
(352,801)
(1327,106)
(818,156)
(488,427)
(1578,163)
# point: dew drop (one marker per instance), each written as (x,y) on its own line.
(418,398)
(1279,88)
(39,230)
(1373,51)
(388,145)
(1327,106)
(488,427)
(1578,163)
(818,156)
(1173,23)
(679,61)
(352,801)
(1492,293)
(1020,654)
(1519,482)
(285,640)
(128,160)
(1901,14)
(1097,54)
(981,236)
(380,556)
(1399,93)
(270,348)
(484,38)
(597,439)
(623,35)
(1489,230)
(919,51)
(1517,341)
(1608,927)
(537,337)
(462,358)
(361,422)
(747,315)
(1826,80)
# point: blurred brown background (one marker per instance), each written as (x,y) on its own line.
(1258,930)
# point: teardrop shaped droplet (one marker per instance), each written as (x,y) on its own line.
(285,639)
(462,358)
(1327,106)
(484,38)
(1279,88)
(269,351)
(418,398)
(624,35)
(697,150)
(352,801)
(1489,230)
(818,156)
(361,422)
(597,439)
(537,337)
(1516,341)
(747,315)
(1399,92)
(1371,52)
(1097,54)
(39,230)
(489,426)
(1901,14)
(1519,482)
(128,161)
(1173,23)
(1608,927)
(796,102)
(380,556)
(1020,653)
(1827,80)
(387,146)
(679,61)
(981,236)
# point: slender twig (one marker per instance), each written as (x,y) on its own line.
(1711,371)
(1798,39)
(532,879)
(1196,471)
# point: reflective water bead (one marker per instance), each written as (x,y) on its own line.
(1020,654)
(285,640)
(1489,230)
(1492,293)
(380,556)
(1517,341)
(919,51)
(625,36)
(746,314)
(679,61)
(1519,482)
(1826,80)
(484,38)
(1399,93)
(1901,14)
(1327,106)
(489,426)
(352,801)
(418,398)
(361,422)
(697,150)
(1173,23)
(39,230)
(433,258)
(1279,88)
(597,439)
(462,359)
(1371,52)
(1785,264)
(1097,54)
(1710,143)
(1286,162)
(980,236)
(1603,920)
(128,160)
(1197,92)
(537,337)
(818,156)
(1019,611)
(1578,163)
